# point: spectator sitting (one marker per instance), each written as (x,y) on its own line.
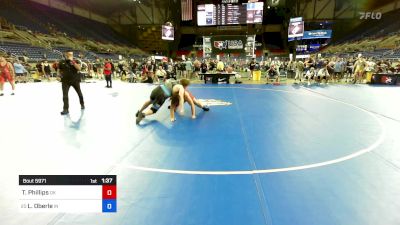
(273,74)
(147,78)
(310,75)
(161,73)
(229,69)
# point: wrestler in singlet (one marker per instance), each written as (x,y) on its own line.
(6,74)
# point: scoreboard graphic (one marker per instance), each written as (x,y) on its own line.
(68,193)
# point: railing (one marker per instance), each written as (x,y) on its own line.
(6,52)
(58,52)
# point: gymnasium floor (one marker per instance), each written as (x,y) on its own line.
(281,155)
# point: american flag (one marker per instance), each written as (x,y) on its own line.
(186,10)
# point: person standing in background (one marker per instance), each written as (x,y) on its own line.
(188,69)
(196,65)
(359,69)
(20,72)
(97,68)
(203,67)
(212,65)
(108,73)
(337,70)
(252,66)
(152,71)
(277,64)
(113,70)
(46,68)
(220,66)
(39,68)
(299,71)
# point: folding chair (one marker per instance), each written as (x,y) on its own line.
(283,77)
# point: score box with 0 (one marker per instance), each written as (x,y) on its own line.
(68,193)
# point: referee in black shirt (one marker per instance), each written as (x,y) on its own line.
(69,70)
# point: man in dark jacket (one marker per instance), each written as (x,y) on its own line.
(69,70)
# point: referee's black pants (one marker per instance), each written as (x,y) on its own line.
(65,88)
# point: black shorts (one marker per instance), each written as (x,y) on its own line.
(272,75)
(309,77)
(157,98)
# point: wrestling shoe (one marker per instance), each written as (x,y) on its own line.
(139,118)
(137,114)
(82,107)
(206,108)
(1,94)
(65,112)
(13,93)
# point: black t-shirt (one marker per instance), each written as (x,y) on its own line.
(39,67)
(112,67)
(97,65)
(68,72)
(47,69)
(121,67)
(252,65)
(203,67)
(212,65)
(134,66)
(310,63)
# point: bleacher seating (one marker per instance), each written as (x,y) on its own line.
(74,26)
(40,18)
(32,52)
(373,29)
(373,38)
(108,56)
(42,32)
(7,12)
(395,54)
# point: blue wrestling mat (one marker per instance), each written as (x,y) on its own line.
(262,155)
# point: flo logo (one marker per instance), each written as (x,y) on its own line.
(370,15)
(228,44)
(220,44)
(214,102)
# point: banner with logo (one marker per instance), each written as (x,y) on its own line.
(316,34)
(312,34)
(301,48)
(228,44)
(314,47)
(389,79)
